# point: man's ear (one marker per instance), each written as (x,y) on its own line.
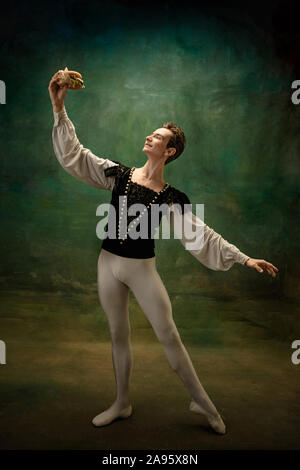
(171,151)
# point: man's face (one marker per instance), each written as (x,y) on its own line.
(156,143)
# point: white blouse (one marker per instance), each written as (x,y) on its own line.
(213,251)
(80,162)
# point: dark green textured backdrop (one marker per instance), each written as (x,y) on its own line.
(220,76)
(220,81)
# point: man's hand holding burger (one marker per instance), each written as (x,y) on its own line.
(59,85)
(57,93)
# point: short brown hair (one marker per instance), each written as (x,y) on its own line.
(178,140)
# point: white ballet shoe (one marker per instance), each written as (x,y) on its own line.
(215,422)
(108,417)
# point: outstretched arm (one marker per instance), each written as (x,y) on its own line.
(77,160)
(214,251)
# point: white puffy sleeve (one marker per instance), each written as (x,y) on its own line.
(206,245)
(80,162)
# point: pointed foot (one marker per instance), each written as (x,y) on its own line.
(215,421)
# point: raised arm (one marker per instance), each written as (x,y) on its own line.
(214,252)
(77,160)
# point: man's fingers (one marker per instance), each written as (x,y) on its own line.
(272,269)
(271,266)
(53,80)
(53,85)
(55,76)
(269,269)
(265,265)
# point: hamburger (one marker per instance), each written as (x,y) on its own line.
(72,79)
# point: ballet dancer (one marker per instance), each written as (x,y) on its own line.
(126,263)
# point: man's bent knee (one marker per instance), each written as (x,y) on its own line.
(169,337)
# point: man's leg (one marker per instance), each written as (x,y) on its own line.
(114,297)
(154,300)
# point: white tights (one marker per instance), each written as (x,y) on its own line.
(116,275)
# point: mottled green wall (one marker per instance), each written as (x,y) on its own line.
(220,81)
(225,77)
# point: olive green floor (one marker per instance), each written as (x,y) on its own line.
(59,374)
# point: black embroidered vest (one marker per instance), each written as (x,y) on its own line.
(136,248)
